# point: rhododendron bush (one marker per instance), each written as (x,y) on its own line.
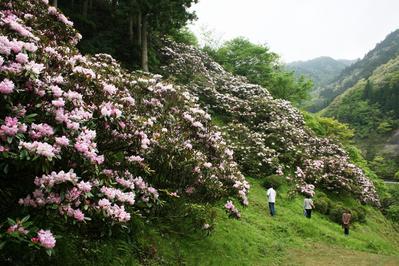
(82,138)
(267,135)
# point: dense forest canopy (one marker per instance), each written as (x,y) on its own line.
(127,29)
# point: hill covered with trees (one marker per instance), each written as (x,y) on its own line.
(322,70)
(362,69)
(371,108)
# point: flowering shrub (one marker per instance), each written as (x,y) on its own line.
(95,140)
(22,232)
(267,135)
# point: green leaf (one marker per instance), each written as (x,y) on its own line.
(25,219)
(49,252)
(2,244)
(5,169)
(11,221)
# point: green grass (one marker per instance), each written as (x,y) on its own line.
(258,239)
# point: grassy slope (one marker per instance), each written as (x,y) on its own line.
(288,239)
(255,239)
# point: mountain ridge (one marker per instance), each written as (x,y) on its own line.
(363,68)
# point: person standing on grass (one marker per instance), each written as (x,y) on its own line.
(271,194)
(346,221)
(308,205)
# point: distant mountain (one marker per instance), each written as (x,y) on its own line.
(322,70)
(362,69)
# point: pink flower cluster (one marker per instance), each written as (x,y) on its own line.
(110,89)
(40,148)
(85,144)
(56,178)
(308,189)
(109,109)
(14,23)
(17,228)
(61,17)
(114,211)
(242,188)
(11,127)
(41,130)
(6,86)
(232,210)
(45,238)
(117,194)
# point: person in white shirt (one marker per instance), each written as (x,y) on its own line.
(271,194)
(308,205)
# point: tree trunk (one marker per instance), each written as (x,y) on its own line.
(90,4)
(144,44)
(85,8)
(131,20)
(139,29)
(55,3)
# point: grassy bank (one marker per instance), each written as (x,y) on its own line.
(258,239)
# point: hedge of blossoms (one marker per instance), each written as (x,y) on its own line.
(268,135)
(96,141)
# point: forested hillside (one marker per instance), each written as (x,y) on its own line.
(322,70)
(362,69)
(101,165)
(371,108)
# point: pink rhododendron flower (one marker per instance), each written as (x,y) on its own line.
(6,86)
(84,186)
(78,215)
(46,239)
(22,58)
(62,141)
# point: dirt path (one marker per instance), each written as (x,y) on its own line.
(330,255)
(391,182)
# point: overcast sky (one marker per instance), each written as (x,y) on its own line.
(302,29)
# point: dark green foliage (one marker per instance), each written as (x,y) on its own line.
(360,213)
(184,35)
(273,180)
(328,127)
(114,27)
(336,211)
(383,167)
(322,203)
(390,203)
(393,213)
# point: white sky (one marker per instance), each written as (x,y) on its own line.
(302,29)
